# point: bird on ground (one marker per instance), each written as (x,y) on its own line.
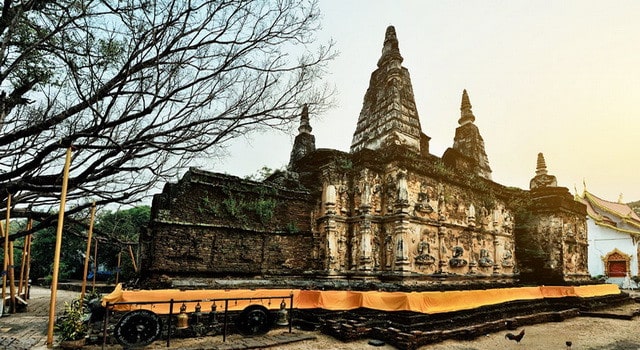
(516,337)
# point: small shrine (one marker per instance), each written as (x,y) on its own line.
(388,214)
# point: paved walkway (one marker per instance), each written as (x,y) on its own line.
(28,330)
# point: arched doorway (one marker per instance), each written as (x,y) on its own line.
(616,263)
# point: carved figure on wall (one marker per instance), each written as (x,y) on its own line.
(330,194)
(388,243)
(354,250)
(485,258)
(330,252)
(424,256)
(376,251)
(390,192)
(341,256)
(471,215)
(484,217)
(400,255)
(376,189)
(507,256)
(457,260)
(422,205)
(365,196)
(403,192)
(343,195)
(507,223)
(442,207)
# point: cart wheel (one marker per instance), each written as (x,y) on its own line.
(138,328)
(254,320)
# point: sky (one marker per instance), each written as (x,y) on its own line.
(557,77)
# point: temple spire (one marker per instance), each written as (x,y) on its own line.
(542,179)
(305,142)
(541,165)
(389,116)
(468,140)
(304,127)
(466,115)
(390,49)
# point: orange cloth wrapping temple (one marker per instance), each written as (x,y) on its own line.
(424,302)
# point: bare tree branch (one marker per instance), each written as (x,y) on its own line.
(141,87)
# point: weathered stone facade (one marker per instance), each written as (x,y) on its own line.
(219,225)
(386,212)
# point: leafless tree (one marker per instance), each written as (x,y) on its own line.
(140,87)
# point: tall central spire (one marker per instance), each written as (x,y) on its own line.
(389,115)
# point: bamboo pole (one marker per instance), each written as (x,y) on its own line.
(23,260)
(28,269)
(12,280)
(4,275)
(118,269)
(95,266)
(86,256)
(6,260)
(56,256)
(133,259)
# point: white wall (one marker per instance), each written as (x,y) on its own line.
(603,240)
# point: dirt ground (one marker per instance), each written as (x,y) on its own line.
(582,332)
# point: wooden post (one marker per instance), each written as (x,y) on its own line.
(86,256)
(95,266)
(6,260)
(4,275)
(118,268)
(56,256)
(28,269)
(133,259)
(12,280)
(23,264)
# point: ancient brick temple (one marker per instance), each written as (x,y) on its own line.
(386,213)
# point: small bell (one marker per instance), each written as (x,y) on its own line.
(183,319)
(283,319)
(213,315)
(197,314)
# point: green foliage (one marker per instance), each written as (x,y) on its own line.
(123,226)
(72,325)
(264,208)
(344,164)
(241,208)
(208,206)
(261,174)
(42,252)
(292,227)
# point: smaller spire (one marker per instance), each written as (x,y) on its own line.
(305,126)
(466,115)
(305,142)
(390,49)
(542,179)
(541,165)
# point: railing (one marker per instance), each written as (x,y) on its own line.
(172,302)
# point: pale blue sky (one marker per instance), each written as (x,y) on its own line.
(558,77)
